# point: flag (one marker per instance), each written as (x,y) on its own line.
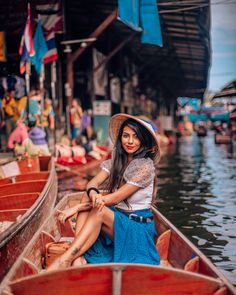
(150,22)
(52,54)
(142,15)
(26,49)
(52,21)
(40,48)
(128,13)
(51,15)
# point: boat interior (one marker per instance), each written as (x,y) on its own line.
(19,192)
(183,267)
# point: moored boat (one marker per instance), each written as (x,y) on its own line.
(223,138)
(27,197)
(84,170)
(184,269)
(75,178)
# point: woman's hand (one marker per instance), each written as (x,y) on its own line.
(62,216)
(97,201)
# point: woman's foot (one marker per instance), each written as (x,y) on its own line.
(59,263)
(65,260)
(79,261)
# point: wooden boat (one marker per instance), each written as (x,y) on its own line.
(84,170)
(223,138)
(75,178)
(26,200)
(184,269)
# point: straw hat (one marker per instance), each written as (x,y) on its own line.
(117,120)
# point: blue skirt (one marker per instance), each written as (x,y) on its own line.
(133,241)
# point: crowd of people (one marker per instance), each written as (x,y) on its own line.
(83,141)
(27,125)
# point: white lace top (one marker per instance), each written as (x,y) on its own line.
(141,173)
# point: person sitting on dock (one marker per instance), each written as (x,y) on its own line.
(20,142)
(93,149)
(118,226)
(63,152)
(38,137)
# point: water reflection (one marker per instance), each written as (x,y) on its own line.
(197,192)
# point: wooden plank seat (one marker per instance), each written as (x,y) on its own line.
(193,264)
(25,177)
(24,187)
(18,201)
(162,245)
(11,214)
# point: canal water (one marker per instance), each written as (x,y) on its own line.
(197,193)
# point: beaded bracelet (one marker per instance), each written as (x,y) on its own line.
(92,189)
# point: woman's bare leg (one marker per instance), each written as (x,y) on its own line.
(87,236)
(81,219)
(82,216)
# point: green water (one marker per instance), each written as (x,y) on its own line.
(197,193)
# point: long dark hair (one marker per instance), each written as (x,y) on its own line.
(120,157)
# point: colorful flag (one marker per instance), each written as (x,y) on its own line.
(52,54)
(52,21)
(142,15)
(150,22)
(51,16)
(128,13)
(26,49)
(40,48)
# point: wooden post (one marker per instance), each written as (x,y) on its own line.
(27,76)
(69,87)
(53,89)
(53,82)
(117,279)
(41,86)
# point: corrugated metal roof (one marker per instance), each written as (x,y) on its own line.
(180,67)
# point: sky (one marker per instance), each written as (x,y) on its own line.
(223,42)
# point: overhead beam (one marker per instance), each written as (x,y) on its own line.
(114,51)
(74,56)
(99,30)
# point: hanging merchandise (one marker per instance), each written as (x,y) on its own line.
(100,76)
(115,90)
(128,94)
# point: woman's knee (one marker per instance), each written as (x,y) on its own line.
(107,216)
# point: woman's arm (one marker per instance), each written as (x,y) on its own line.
(124,192)
(97,180)
(62,216)
(114,198)
(94,182)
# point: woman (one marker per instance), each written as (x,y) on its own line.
(123,216)
(76,114)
